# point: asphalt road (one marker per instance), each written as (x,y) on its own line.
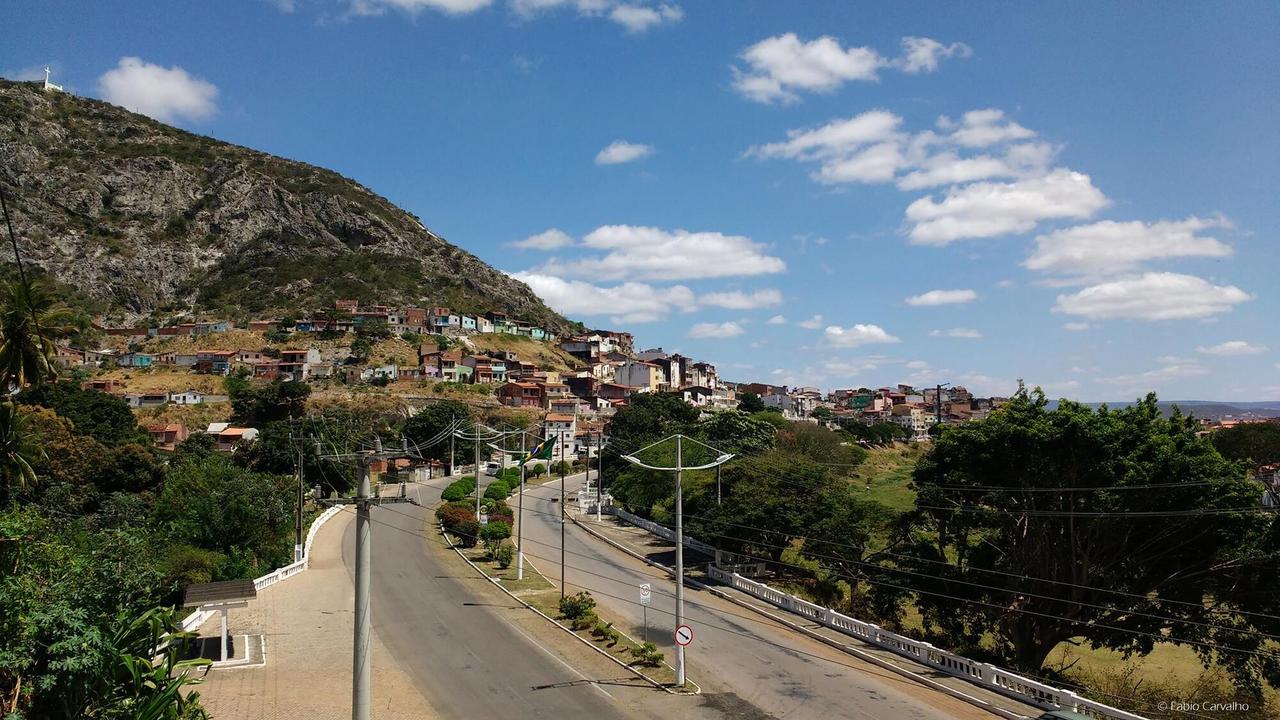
(771,668)
(468,661)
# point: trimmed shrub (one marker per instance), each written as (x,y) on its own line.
(468,533)
(497,490)
(574,607)
(504,554)
(459,489)
(560,467)
(648,654)
(453,516)
(495,532)
(538,470)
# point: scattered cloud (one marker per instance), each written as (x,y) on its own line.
(1076,326)
(635,16)
(921,54)
(647,253)
(630,302)
(621,151)
(1110,247)
(166,94)
(812,323)
(988,209)
(708,331)
(639,18)
(981,128)
(779,68)
(413,7)
(1152,378)
(917,365)
(285,6)
(942,297)
(777,320)
(738,300)
(962,333)
(551,239)
(31,73)
(1233,347)
(857,335)
(1152,296)
(525,64)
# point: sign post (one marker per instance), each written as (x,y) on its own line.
(684,635)
(646,597)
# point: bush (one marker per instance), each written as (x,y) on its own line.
(468,533)
(560,467)
(495,532)
(573,607)
(459,489)
(511,476)
(605,631)
(586,621)
(504,554)
(648,654)
(497,490)
(538,470)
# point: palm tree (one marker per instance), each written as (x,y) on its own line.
(17,447)
(30,322)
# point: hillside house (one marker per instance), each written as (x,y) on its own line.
(484,325)
(297,363)
(106,386)
(467,323)
(214,362)
(135,360)
(644,376)
(485,369)
(68,356)
(521,394)
(149,399)
(563,428)
(187,397)
(227,437)
(167,436)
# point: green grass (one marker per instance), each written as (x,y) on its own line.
(886,473)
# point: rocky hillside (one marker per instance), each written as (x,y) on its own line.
(146,218)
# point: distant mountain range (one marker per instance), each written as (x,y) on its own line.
(1208,408)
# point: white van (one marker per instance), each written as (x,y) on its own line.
(492,469)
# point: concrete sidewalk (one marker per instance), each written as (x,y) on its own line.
(662,552)
(307,624)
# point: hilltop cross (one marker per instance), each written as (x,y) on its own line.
(48,85)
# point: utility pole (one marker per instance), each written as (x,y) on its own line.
(520,515)
(360,669)
(679,470)
(477,472)
(599,487)
(562,516)
(297,530)
(450,454)
(717,485)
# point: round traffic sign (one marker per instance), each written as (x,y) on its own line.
(684,635)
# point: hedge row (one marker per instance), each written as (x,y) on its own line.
(459,489)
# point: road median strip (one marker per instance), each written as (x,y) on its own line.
(610,642)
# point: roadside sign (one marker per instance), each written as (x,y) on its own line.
(646,594)
(684,635)
(484,517)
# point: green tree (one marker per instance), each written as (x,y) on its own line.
(737,432)
(30,323)
(106,418)
(17,449)
(1254,443)
(430,424)
(822,412)
(751,403)
(270,402)
(1035,526)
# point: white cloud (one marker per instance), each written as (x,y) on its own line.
(413,7)
(962,333)
(1076,326)
(648,253)
(285,6)
(942,297)
(551,239)
(834,139)
(980,128)
(621,151)
(1110,247)
(1152,296)
(777,320)
(949,168)
(988,209)
(917,365)
(738,300)
(30,73)
(921,54)
(1233,347)
(812,323)
(1152,378)
(639,18)
(630,302)
(857,335)
(165,94)
(780,66)
(705,331)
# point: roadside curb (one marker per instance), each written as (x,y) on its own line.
(555,622)
(860,654)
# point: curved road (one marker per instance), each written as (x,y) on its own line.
(772,668)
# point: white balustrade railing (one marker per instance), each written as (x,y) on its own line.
(198,618)
(984,674)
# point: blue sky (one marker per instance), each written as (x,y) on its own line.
(1091,185)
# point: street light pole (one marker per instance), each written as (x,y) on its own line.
(520,516)
(679,558)
(679,570)
(562,516)
(477,472)
(360,655)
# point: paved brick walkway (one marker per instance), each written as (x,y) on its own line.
(307,623)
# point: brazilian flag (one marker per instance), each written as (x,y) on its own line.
(541,452)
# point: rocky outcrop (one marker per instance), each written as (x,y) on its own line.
(148,218)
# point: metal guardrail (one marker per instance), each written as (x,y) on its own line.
(198,618)
(983,674)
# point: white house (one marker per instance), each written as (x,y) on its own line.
(563,428)
(187,397)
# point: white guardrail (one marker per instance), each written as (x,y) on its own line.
(198,618)
(979,673)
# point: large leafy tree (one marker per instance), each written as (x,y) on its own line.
(1120,527)
(18,449)
(737,432)
(429,423)
(30,323)
(1254,443)
(105,417)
